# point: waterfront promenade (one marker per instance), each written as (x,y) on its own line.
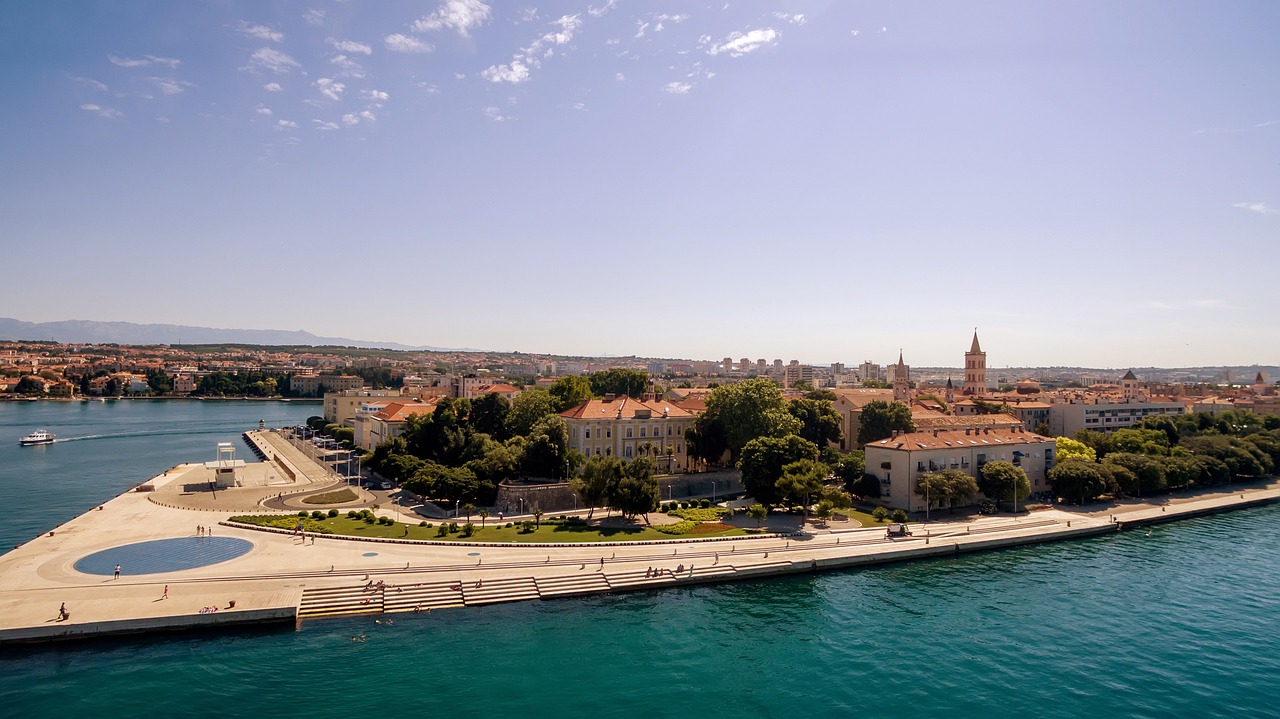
(283,578)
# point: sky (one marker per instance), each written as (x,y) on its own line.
(1087,183)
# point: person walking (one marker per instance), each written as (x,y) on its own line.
(117,571)
(165,595)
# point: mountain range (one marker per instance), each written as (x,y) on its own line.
(129,333)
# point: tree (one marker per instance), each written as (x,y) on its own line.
(879,419)
(801,480)
(758,512)
(489,415)
(1074,449)
(984,407)
(547,451)
(763,460)
(750,409)
(619,381)
(934,487)
(484,514)
(531,406)
(470,509)
(705,440)
(570,391)
(1004,481)
(850,469)
(961,488)
(1079,479)
(636,493)
(1148,471)
(537,517)
(598,481)
(819,420)
(867,487)
(159,382)
(29,385)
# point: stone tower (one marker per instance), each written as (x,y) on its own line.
(901,388)
(1129,385)
(975,369)
(951,392)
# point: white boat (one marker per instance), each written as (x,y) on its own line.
(37,437)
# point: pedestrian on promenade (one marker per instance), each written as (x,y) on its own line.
(62,612)
(117,571)
(165,595)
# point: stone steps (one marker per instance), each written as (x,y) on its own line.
(338,601)
(633,579)
(500,590)
(434,595)
(573,584)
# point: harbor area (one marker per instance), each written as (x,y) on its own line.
(165,555)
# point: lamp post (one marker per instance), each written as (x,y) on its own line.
(713,491)
(521,504)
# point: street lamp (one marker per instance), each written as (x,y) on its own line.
(521,504)
(713,491)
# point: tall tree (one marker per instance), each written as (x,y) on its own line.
(598,481)
(763,460)
(619,381)
(802,480)
(529,407)
(960,487)
(1074,449)
(636,493)
(1079,479)
(750,409)
(489,415)
(1003,481)
(547,453)
(570,391)
(879,419)
(819,420)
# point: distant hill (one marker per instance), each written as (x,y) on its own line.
(129,333)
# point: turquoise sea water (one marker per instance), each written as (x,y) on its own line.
(1184,621)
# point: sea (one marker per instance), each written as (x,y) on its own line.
(1179,620)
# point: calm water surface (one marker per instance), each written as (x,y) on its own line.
(1184,621)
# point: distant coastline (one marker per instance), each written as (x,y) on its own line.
(184,398)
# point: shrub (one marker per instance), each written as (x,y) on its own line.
(368,519)
(366,513)
(317,514)
(510,525)
(352,514)
(386,520)
(705,504)
(677,528)
(333,513)
(899,515)
(423,523)
(304,513)
(468,529)
(443,530)
(986,506)
(880,513)
(527,527)
(453,527)
(684,504)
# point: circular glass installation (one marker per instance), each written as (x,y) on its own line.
(369,554)
(164,555)
(473,554)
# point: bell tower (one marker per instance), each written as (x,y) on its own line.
(975,369)
(901,386)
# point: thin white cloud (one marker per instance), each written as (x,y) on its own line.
(459,15)
(144,61)
(664,17)
(1259,207)
(170,86)
(598,11)
(641,26)
(514,73)
(314,17)
(350,46)
(90,82)
(884,29)
(350,119)
(264,111)
(273,87)
(797,19)
(376,95)
(272,60)
(326,126)
(107,112)
(580,107)
(286,123)
(855,33)
(612,41)
(619,77)
(346,66)
(330,88)
(259,32)
(495,114)
(404,43)
(678,88)
(368,115)
(738,44)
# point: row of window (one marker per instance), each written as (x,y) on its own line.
(608,433)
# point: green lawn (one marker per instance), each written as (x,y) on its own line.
(494,532)
(340,496)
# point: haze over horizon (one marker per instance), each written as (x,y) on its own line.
(1090,184)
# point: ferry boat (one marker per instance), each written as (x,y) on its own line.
(37,437)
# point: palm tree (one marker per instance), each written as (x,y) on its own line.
(537,518)
(469,509)
(484,514)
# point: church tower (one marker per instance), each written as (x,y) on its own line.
(1129,386)
(975,369)
(951,392)
(901,388)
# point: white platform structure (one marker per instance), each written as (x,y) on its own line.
(225,466)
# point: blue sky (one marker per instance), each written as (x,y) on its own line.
(1089,183)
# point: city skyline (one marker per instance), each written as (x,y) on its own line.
(1090,185)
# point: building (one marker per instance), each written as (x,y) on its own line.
(388,421)
(183,384)
(1030,413)
(869,371)
(848,404)
(1103,414)
(628,428)
(796,373)
(901,381)
(312,385)
(341,407)
(975,369)
(899,461)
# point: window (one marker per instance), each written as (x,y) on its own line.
(587,433)
(608,433)
(628,434)
(641,432)
(628,450)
